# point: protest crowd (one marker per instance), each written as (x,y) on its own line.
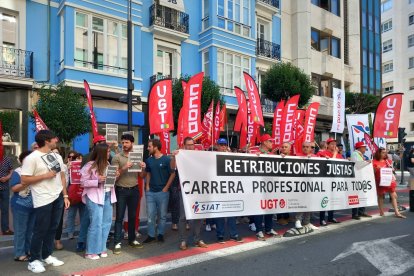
(112,181)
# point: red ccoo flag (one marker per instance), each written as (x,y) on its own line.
(40,125)
(92,114)
(310,122)
(387,116)
(192,107)
(160,107)
(277,118)
(288,119)
(207,127)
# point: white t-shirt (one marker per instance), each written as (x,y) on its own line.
(37,163)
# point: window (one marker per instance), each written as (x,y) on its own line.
(388,87)
(386,26)
(324,85)
(164,62)
(230,69)
(411,85)
(8,30)
(387,67)
(411,126)
(335,47)
(411,106)
(411,40)
(411,62)
(326,43)
(387,46)
(332,6)
(315,39)
(411,19)
(386,5)
(206,14)
(234,16)
(206,63)
(100,43)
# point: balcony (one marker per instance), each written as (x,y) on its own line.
(155,78)
(267,49)
(168,22)
(273,3)
(267,8)
(268,106)
(16,63)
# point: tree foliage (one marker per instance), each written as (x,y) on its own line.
(9,121)
(210,91)
(64,112)
(359,103)
(284,80)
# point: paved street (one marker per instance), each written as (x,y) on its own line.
(311,254)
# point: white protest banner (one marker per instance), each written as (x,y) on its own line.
(111,132)
(216,184)
(338,117)
(136,157)
(386,177)
(110,176)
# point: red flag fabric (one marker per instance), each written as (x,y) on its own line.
(243,136)
(310,122)
(241,117)
(92,114)
(180,138)
(299,130)
(370,144)
(277,118)
(216,123)
(223,117)
(1,142)
(387,116)
(288,119)
(165,142)
(252,128)
(254,98)
(40,125)
(160,107)
(207,127)
(192,107)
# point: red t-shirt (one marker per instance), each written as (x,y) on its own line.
(304,155)
(327,153)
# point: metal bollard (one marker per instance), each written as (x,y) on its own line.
(411,197)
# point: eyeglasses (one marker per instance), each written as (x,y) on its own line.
(313,147)
(71,156)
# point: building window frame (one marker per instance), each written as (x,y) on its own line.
(410,19)
(235,16)
(387,46)
(411,40)
(387,67)
(386,26)
(325,43)
(231,71)
(386,5)
(175,51)
(388,87)
(411,106)
(332,6)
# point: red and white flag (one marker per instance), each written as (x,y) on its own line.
(165,142)
(192,107)
(387,116)
(277,118)
(207,127)
(161,118)
(254,98)
(310,122)
(299,129)
(288,119)
(241,117)
(40,125)
(216,123)
(370,143)
(180,138)
(92,114)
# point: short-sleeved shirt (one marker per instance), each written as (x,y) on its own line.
(5,169)
(126,179)
(23,203)
(160,171)
(327,153)
(357,156)
(46,191)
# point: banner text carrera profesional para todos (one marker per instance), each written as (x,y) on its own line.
(216,184)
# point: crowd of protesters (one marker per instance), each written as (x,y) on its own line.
(42,191)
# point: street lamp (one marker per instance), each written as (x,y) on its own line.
(130,84)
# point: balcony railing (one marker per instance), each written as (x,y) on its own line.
(274,3)
(169,18)
(268,105)
(267,49)
(155,78)
(16,62)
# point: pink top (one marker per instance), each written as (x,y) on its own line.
(92,188)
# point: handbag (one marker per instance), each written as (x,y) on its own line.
(75,192)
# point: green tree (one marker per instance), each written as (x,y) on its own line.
(360,103)
(64,112)
(210,91)
(9,121)
(284,80)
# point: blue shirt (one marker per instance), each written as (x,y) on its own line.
(160,172)
(17,201)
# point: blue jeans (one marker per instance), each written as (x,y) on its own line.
(157,204)
(100,217)
(231,224)
(47,220)
(23,222)
(84,224)
(126,198)
(258,222)
(4,206)
(70,220)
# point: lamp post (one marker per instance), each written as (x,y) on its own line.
(130,84)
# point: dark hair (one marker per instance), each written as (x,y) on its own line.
(186,139)
(99,157)
(23,155)
(156,143)
(128,137)
(377,154)
(42,136)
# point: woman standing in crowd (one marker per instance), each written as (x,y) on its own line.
(23,214)
(76,204)
(380,161)
(98,200)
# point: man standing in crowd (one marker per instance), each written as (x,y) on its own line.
(159,173)
(330,152)
(283,219)
(196,224)
(231,221)
(42,171)
(6,171)
(127,194)
(266,146)
(358,155)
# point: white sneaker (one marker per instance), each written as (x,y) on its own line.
(53,261)
(36,266)
(298,224)
(208,228)
(260,236)
(252,227)
(272,233)
(313,227)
